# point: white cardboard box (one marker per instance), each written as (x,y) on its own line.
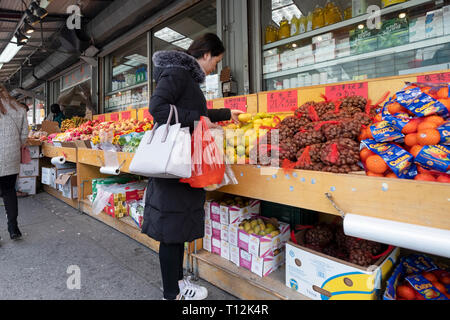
(215,245)
(224,232)
(215,211)
(216,229)
(233,232)
(225,249)
(263,266)
(46,176)
(29,169)
(35,152)
(207,209)
(322,37)
(434,25)
(322,277)
(207,243)
(208,227)
(26,185)
(234,254)
(224,219)
(67,184)
(417,29)
(245,259)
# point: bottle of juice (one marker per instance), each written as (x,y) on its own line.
(269,34)
(295,25)
(309,21)
(303,23)
(348,12)
(285,29)
(328,13)
(337,14)
(318,19)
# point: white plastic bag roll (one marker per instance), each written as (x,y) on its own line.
(115,171)
(58,160)
(404,235)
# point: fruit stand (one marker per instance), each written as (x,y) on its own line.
(419,203)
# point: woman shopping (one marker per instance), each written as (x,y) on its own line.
(13,134)
(174,211)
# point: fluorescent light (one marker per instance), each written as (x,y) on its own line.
(10,51)
(183,43)
(138,58)
(168,35)
(280,3)
(287,12)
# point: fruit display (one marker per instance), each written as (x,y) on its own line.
(409,137)
(72,123)
(259,227)
(331,240)
(418,277)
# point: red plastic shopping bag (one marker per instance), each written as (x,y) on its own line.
(25,155)
(208,167)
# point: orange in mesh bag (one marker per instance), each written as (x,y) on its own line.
(208,167)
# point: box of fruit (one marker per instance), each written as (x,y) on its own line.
(263,266)
(418,277)
(326,265)
(261,236)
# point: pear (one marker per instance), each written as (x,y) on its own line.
(245,117)
(256,229)
(247,226)
(241,228)
(262,226)
(254,223)
(260,220)
(275,233)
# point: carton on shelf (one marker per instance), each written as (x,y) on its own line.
(245,259)
(208,227)
(35,152)
(270,52)
(417,29)
(269,68)
(224,219)
(275,59)
(215,211)
(224,232)
(207,208)
(55,173)
(446,19)
(434,24)
(216,229)
(322,277)
(234,254)
(29,169)
(68,183)
(215,245)
(225,249)
(323,37)
(263,266)
(26,185)
(233,234)
(207,242)
(46,176)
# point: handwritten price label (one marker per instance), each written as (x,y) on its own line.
(435,78)
(126,115)
(114,117)
(283,101)
(101,118)
(345,90)
(147,115)
(239,103)
(210,104)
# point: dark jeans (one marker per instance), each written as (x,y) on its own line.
(171,262)
(8,192)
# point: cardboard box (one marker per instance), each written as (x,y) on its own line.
(29,169)
(234,254)
(269,68)
(321,56)
(207,209)
(224,232)
(216,229)
(233,234)
(224,219)
(289,65)
(263,266)
(215,245)
(55,173)
(207,243)
(363,40)
(275,59)
(208,227)
(245,259)
(323,37)
(322,277)
(225,249)
(434,24)
(264,245)
(270,52)
(417,29)
(393,33)
(305,61)
(215,211)
(35,152)
(46,176)
(327,45)
(26,185)
(68,183)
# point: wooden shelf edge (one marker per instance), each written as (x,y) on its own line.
(241,282)
(55,193)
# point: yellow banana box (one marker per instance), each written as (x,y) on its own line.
(322,277)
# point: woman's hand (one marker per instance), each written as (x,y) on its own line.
(235,115)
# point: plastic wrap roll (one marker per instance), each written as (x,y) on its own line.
(58,160)
(41,155)
(114,171)
(404,235)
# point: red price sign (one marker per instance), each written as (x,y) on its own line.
(114,117)
(101,118)
(435,78)
(238,103)
(210,104)
(147,115)
(282,101)
(345,90)
(126,115)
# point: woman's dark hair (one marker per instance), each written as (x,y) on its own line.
(55,108)
(208,43)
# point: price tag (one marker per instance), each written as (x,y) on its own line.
(435,78)
(238,103)
(282,101)
(210,104)
(114,116)
(125,115)
(101,118)
(345,90)
(147,115)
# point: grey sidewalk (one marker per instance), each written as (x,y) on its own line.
(112,265)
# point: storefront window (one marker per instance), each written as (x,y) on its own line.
(39,105)
(180,32)
(319,42)
(127,81)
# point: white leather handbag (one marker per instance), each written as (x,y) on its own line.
(165,151)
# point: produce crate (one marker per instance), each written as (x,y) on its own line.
(288,214)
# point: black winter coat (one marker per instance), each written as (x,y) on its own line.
(174,212)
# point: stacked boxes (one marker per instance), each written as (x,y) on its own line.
(63,178)
(225,236)
(28,173)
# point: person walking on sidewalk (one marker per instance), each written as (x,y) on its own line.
(13,134)
(174,211)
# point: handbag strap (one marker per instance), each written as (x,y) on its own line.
(173,110)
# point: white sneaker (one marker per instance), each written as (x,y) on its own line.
(192,291)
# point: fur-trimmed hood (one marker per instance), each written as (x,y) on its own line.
(178,59)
